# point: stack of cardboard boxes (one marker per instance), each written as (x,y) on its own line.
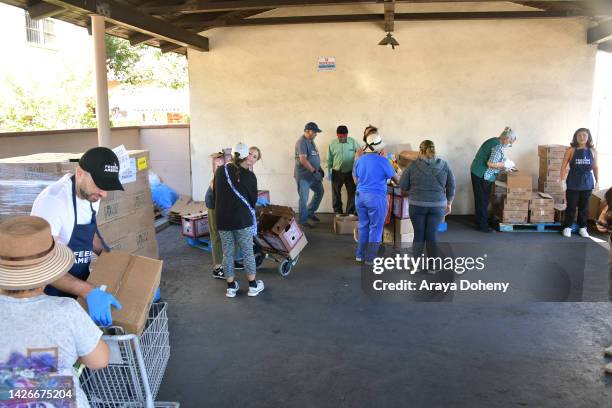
(551,158)
(279,231)
(125,218)
(515,207)
(541,208)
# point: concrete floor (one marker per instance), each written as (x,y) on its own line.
(316,340)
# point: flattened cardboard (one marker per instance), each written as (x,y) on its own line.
(133,280)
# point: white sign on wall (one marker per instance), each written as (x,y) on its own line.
(327,64)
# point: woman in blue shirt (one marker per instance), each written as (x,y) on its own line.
(372,170)
(582,160)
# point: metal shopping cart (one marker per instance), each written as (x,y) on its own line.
(136,367)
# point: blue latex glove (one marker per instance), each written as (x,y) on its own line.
(157,295)
(99,305)
(262,201)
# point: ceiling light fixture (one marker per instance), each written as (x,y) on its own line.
(389,41)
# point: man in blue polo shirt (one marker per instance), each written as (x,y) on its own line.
(308,174)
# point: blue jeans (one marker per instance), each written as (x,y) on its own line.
(425,222)
(304,187)
(371,210)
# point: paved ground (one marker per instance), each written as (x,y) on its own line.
(316,340)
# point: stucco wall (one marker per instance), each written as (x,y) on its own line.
(454,82)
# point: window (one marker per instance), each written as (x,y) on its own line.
(40,31)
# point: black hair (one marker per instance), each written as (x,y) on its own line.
(589,143)
(608,198)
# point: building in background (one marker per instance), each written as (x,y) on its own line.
(46,80)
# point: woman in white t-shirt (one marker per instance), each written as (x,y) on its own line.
(41,337)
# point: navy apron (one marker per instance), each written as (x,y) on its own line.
(580,176)
(81,243)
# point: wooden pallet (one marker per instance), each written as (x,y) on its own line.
(540,227)
(202,243)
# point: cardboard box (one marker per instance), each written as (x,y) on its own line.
(142,243)
(133,280)
(400,207)
(539,216)
(551,163)
(541,201)
(552,150)
(388,234)
(195,226)
(278,225)
(519,194)
(406,157)
(597,202)
(186,206)
(515,216)
(550,186)
(549,175)
(274,243)
(344,225)
(519,181)
(511,204)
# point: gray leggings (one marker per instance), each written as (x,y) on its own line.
(244,239)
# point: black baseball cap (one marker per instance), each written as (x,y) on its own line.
(312,126)
(103,165)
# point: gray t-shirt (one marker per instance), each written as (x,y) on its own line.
(308,148)
(46,334)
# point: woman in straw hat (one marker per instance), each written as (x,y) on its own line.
(41,336)
(372,170)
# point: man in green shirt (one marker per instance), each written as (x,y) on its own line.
(340,160)
(488,162)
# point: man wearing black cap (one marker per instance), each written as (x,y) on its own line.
(340,160)
(70,205)
(308,174)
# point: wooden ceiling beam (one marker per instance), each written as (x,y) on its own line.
(135,19)
(202,6)
(40,9)
(355,18)
(600,33)
(389,14)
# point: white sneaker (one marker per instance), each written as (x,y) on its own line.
(567,232)
(359,259)
(583,233)
(231,292)
(254,291)
(608,351)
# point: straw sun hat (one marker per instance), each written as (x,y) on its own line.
(29,256)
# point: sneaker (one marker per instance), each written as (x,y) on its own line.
(608,351)
(254,291)
(567,232)
(487,230)
(218,273)
(315,218)
(238,265)
(583,233)
(358,259)
(608,368)
(231,292)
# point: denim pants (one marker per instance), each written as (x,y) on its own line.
(425,222)
(304,187)
(372,211)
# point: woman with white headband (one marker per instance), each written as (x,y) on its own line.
(372,170)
